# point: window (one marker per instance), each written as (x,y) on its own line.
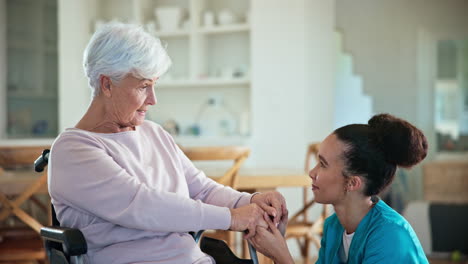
(451,96)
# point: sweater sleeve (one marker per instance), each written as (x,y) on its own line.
(205,189)
(83,176)
(404,247)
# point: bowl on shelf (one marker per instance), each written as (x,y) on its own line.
(168,17)
(226,17)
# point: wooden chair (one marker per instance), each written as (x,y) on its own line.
(300,227)
(238,155)
(28,182)
(20,244)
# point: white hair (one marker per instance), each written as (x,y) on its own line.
(118,49)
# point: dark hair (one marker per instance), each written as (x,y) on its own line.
(374,151)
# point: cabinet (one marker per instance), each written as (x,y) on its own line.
(31,87)
(439,176)
(210,50)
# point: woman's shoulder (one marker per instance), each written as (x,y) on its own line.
(147,124)
(75,134)
(71,139)
(387,221)
(388,227)
(385,214)
(151,127)
(154,130)
(72,134)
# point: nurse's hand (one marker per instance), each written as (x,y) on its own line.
(271,243)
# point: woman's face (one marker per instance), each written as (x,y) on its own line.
(328,182)
(130,100)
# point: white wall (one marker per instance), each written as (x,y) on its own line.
(384,38)
(351,104)
(319,68)
(73,30)
(292,85)
(292,79)
(3,68)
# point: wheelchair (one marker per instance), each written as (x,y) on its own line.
(65,245)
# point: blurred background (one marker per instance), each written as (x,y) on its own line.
(272,75)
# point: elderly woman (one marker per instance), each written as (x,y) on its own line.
(356,162)
(123,181)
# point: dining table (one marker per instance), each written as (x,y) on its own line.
(265,179)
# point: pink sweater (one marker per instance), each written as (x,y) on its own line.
(135,195)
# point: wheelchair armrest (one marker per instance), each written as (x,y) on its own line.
(72,240)
(222,254)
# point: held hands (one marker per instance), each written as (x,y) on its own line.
(270,241)
(247,218)
(272,203)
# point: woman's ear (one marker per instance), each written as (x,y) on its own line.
(105,85)
(354,183)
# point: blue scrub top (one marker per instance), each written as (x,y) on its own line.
(383,236)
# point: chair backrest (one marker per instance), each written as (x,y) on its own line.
(12,157)
(238,154)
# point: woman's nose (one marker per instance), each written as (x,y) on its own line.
(312,172)
(151,98)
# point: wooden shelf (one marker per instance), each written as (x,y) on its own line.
(204,82)
(225,29)
(31,96)
(172,34)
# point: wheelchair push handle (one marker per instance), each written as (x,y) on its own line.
(42,161)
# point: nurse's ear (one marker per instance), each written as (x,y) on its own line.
(105,84)
(354,183)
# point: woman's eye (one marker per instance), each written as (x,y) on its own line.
(322,165)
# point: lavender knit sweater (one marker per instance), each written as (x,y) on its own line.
(135,195)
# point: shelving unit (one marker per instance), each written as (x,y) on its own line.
(213,82)
(225,29)
(208,61)
(173,34)
(32,69)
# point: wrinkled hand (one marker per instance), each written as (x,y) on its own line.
(247,218)
(271,243)
(271,202)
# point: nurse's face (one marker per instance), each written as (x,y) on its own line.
(328,181)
